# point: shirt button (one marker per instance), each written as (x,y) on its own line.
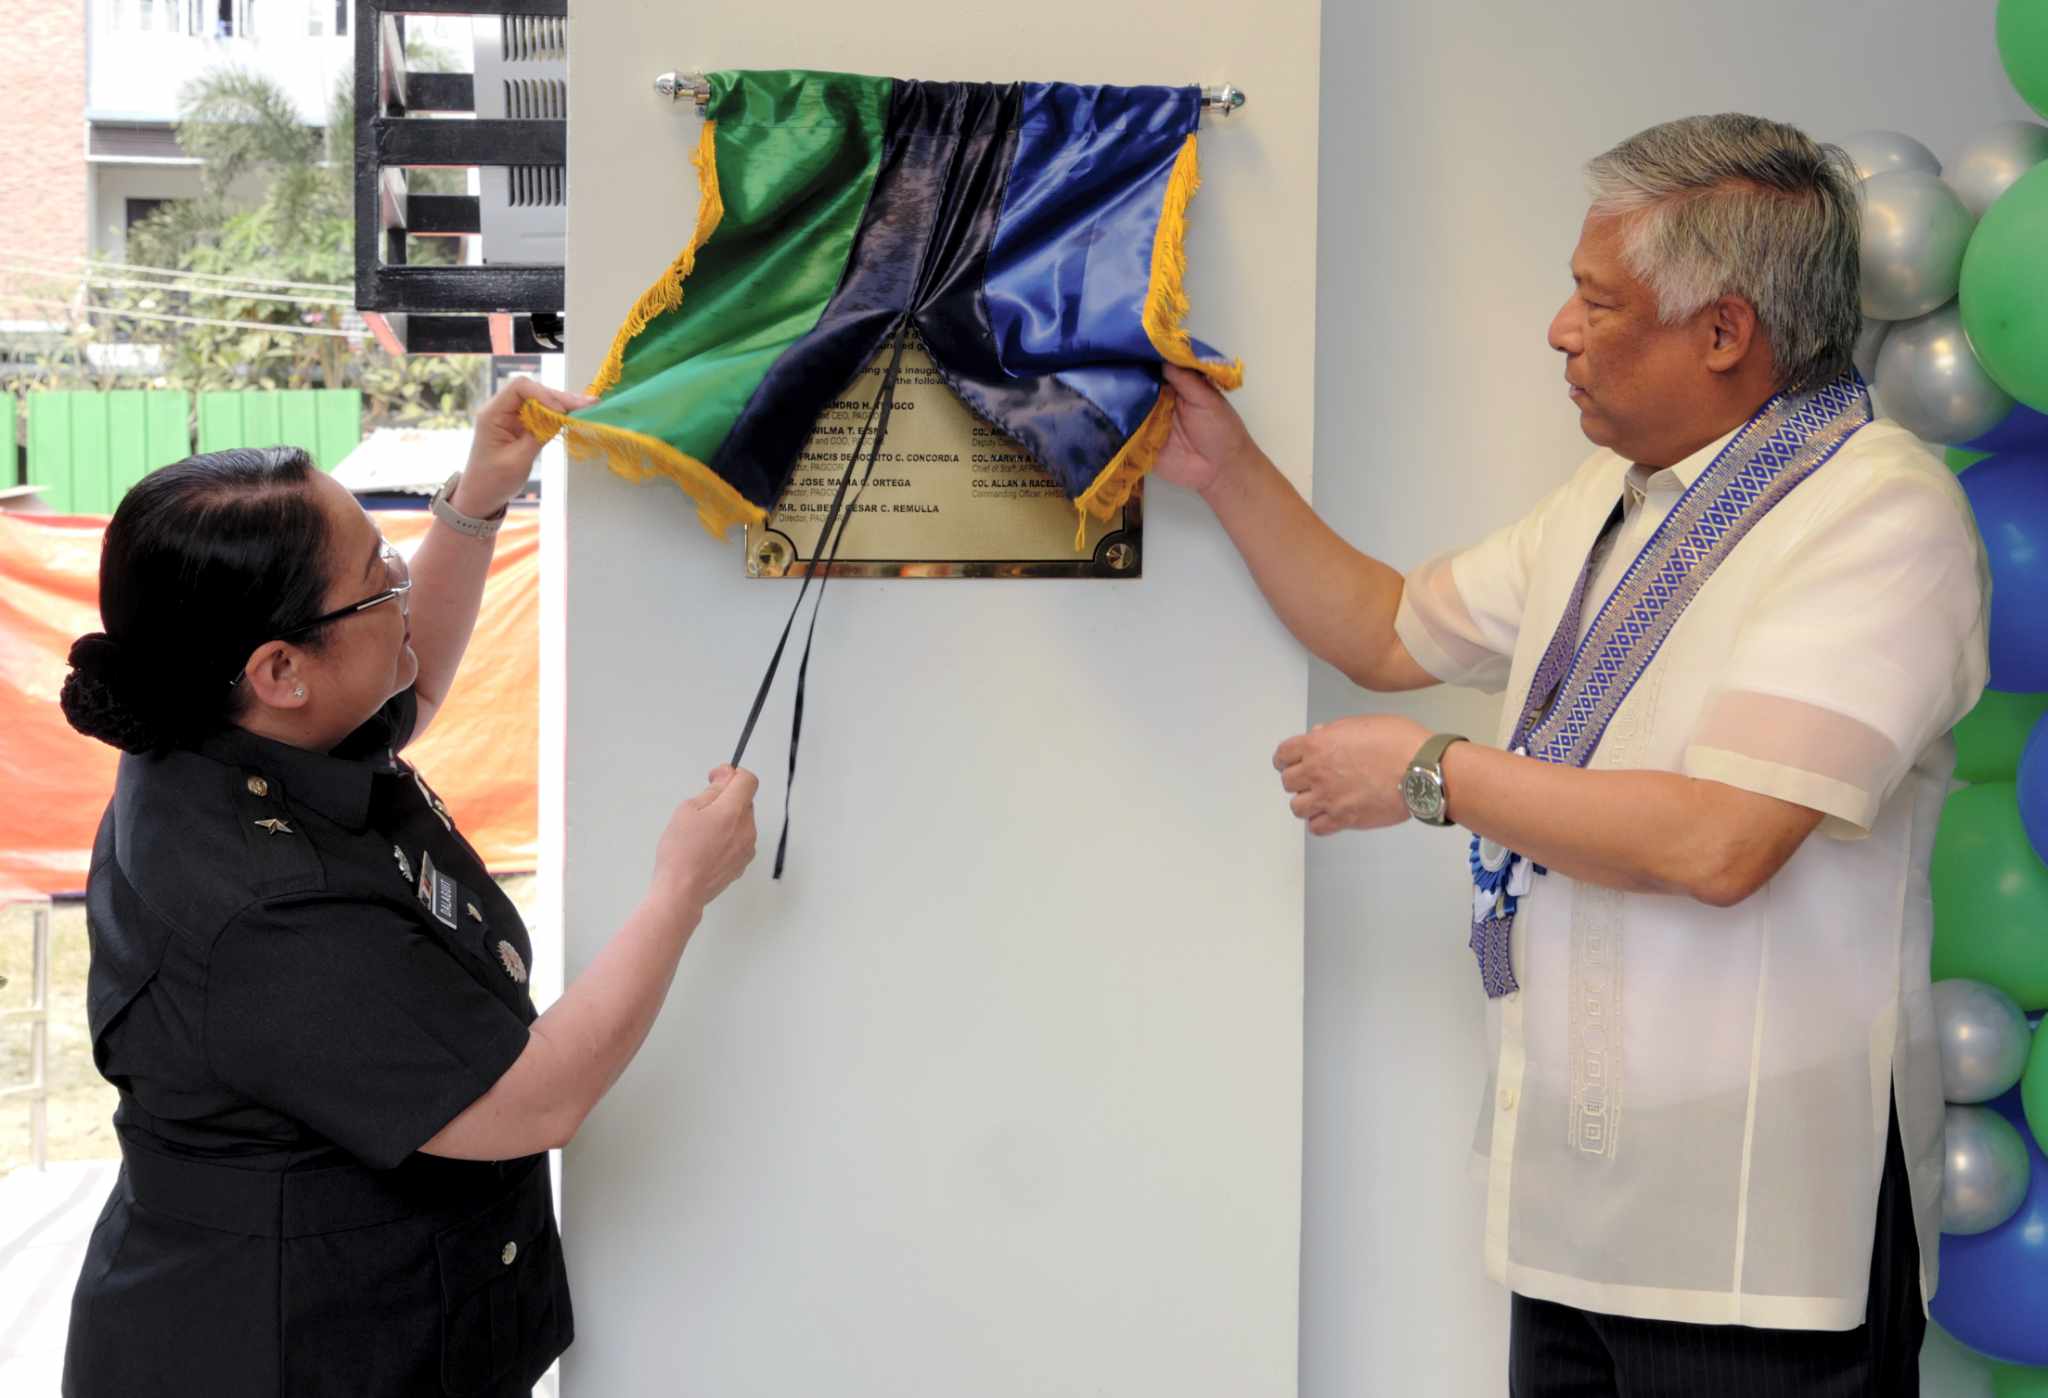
(1514,997)
(258,787)
(1507,1099)
(510,1251)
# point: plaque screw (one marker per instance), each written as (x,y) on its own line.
(1120,557)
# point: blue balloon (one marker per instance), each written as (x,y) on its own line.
(1993,1290)
(2009,495)
(2023,430)
(2033,787)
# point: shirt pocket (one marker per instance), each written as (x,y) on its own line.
(501,1274)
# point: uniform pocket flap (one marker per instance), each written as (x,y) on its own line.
(489,1247)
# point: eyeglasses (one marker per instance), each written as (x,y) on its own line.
(394,566)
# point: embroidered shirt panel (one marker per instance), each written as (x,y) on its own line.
(1757,1046)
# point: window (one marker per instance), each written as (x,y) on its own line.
(194,17)
(230,19)
(317,18)
(140,209)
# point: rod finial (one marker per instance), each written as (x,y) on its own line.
(678,85)
(1222,99)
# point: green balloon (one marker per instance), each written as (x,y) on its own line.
(1990,896)
(1960,460)
(2023,45)
(2004,290)
(2034,1089)
(1991,736)
(2012,1381)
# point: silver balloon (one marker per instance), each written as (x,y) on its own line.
(1983,1037)
(1881,152)
(1987,166)
(1868,341)
(1984,1175)
(1932,384)
(1914,232)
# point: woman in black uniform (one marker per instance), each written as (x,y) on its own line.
(336,1098)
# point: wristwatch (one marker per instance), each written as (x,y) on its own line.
(456,519)
(1423,785)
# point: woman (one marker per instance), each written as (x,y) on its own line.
(335,1096)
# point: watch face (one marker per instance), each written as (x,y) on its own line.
(1424,797)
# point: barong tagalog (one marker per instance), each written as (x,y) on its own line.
(1578,688)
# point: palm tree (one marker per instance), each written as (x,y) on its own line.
(277,203)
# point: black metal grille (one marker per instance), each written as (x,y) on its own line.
(497,308)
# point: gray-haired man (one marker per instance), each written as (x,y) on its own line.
(1732,645)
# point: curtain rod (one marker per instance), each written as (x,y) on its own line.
(1218,99)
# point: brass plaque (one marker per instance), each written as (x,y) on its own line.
(950,497)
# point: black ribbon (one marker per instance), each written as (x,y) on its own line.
(878,422)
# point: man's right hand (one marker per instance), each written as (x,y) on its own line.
(1208,439)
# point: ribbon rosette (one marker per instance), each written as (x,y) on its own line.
(1500,879)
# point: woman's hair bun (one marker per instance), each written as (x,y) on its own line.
(101,698)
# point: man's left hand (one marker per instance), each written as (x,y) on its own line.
(1347,775)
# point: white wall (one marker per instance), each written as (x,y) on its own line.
(998,1091)
(1450,199)
(136,74)
(114,185)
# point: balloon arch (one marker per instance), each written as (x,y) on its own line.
(1955,346)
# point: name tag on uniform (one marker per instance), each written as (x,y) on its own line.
(437,891)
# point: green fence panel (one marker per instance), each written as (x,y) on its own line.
(126,428)
(327,423)
(49,447)
(167,431)
(85,449)
(340,414)
(220,421)
(92,469)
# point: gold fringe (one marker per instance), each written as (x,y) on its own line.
(631,454)
(1114,483)
(667,294)
(1166,301)
(1166,308)
(643,458)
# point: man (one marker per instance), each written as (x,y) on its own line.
(1732,646)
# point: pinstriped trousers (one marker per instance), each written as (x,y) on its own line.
(1559,1351)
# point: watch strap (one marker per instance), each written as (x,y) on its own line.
(1429,759)
(1430,756)
(443,510)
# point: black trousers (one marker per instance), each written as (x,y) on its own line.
(1561,1352)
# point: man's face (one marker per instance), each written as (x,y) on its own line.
(1630,375)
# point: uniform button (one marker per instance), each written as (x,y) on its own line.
(258,787)
(1507,1099)
(510,1251)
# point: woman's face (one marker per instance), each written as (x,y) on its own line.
(367,655)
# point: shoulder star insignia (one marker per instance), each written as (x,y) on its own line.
(274,826)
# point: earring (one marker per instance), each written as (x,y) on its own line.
(299,693)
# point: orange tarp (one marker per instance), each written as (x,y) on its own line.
(480,754)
